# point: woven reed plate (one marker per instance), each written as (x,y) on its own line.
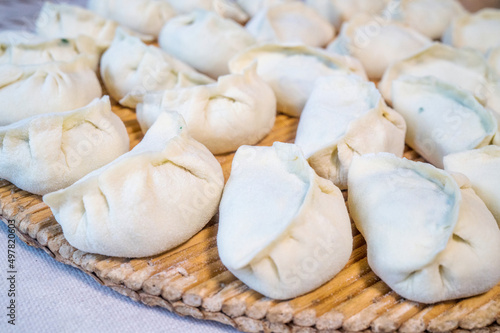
(191,280)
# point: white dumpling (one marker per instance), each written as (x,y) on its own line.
(205,41)
(291,22)
(338,11)
(465,69)
(147,201)
(283,230)
(344,117)
(59,49)
(292,70)
(144,16)
(429,17)
(252,7)
(482,167)
(27,91)
(377,48)
(429,236)
(67,21)
(479,31)
(49,152)
(239,109)
(130,69)
(441,119)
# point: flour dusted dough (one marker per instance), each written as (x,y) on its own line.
(291,22)
(376,50)
(49,152)
(344,117)
(482,167)
(292,70)
(429,236)
(239,109)
(147,201)
(130,69)
(27,91)
(144,16)
(205,41)
(441,119)
(283,230)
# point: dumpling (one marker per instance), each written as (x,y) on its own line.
(58,49)
(237,110)
(377,44)
(144,16)
(283,230)
(344,117)
(291,22)
(429,17)
(27,91)
(429,236)
(441,119)
(225,8)
(204,41)
(49,152)
(464,69)
(252,7)
(130,69)
(338,11)
(292,70)
(479,31)
(14,37)
(147,201)
(482,167)
(67,21)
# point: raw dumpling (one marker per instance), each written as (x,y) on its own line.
(59,49)
(464,69)
(283,230)
(237,110)
(482,167)
(429,17)
(441,119)
(291,22)
(147,201)
(130,69)
(292,70)
(49,152)
(66,21)
(27,91)
(204,41)
(338,11)
(429,236)
(144,16)
(377,48)
(479,31)
(346,117)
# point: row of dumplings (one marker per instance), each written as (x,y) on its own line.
(284,227)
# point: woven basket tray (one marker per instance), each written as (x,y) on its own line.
(191,280)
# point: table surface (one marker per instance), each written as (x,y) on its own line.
(53,297)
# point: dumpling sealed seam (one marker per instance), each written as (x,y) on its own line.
(224,8)
(58,49)
(344,117)
(144,16)
(429,236)
(482,167)
(292,70)
(239,109)
(441,119)
(130,69)
(283,230)
(205,41)
(291,22)
(377,43)
(145,202)
(49,152)
(27,91)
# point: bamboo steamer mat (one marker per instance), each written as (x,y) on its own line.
(191,280)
